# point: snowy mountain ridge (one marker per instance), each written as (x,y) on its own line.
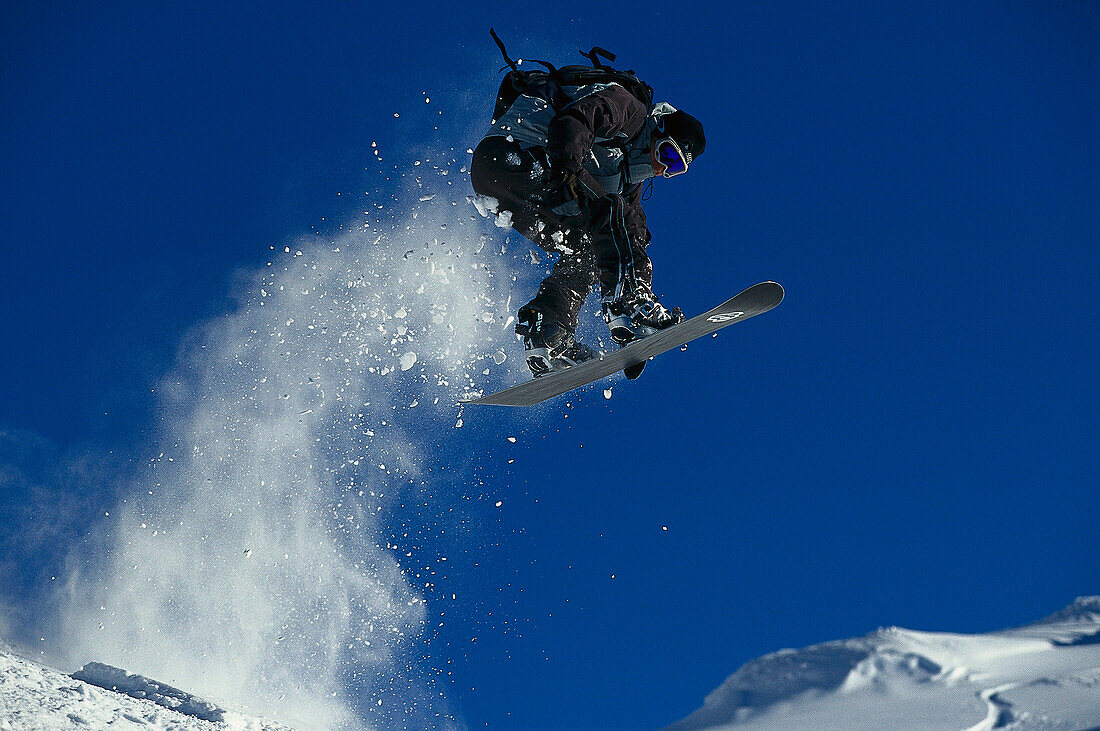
(35,697)
(1042,675)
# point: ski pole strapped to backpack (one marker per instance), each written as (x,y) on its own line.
(548,85)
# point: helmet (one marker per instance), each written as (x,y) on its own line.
(687,131)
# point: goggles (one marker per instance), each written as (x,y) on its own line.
(669,155)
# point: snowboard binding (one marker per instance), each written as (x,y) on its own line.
(637,315)
(548,346)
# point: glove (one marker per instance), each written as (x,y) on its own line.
(565,180)
(576,185)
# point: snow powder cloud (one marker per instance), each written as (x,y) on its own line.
(252,562)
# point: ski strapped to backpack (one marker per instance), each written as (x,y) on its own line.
(548,85)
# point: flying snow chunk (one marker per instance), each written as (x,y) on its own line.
(489,206)
(407,361)
(485,204)
(607,393)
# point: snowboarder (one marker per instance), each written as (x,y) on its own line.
(567,162)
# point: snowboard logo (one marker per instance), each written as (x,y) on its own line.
(725,316)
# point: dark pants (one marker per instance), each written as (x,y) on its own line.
(594,245)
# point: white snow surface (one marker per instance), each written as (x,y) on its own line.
(1045,675)
(34,697)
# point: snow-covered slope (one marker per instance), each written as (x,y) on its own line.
(1043,675)
(34,697)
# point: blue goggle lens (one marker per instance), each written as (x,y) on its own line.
(669,155)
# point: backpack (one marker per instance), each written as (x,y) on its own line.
(549,85)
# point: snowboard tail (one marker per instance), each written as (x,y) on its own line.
(754,301)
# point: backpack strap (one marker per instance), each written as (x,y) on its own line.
(595,53)
(521,80)
(550,68)
(503,52)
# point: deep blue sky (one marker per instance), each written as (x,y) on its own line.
(908,439)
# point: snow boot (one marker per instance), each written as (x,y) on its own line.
(548,345)
(637,314)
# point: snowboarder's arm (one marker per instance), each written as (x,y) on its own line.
(606,113)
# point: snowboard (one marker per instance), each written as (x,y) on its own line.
(755,300)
